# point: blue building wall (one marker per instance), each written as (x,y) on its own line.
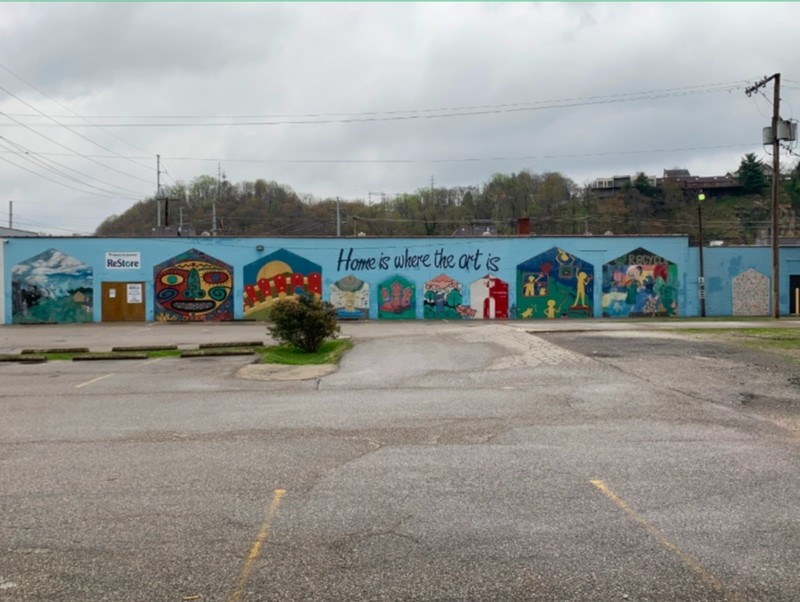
(374,260)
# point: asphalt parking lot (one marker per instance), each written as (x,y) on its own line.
(441,461)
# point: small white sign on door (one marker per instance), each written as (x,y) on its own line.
(134,293)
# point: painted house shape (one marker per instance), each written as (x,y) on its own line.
(193,286)
(350,298)
(555,284)
(279,275)
(443,300)
(750,294)
(489,298)
(397,299)
(640,284)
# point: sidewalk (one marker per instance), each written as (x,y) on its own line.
(99,337)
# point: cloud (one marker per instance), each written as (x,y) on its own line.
(162,63)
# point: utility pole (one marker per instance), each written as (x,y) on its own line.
(10,214)
(214,204)
(701,281)
(158,194)
(338,219)
(776,168)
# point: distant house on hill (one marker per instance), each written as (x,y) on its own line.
(711,185)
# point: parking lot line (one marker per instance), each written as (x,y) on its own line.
(690,562)
(255,549)
(94,380)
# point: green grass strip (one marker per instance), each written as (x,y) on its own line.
(330,353)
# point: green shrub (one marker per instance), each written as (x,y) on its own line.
(304,322)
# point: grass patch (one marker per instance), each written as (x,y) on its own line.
(784,342)
(329,353)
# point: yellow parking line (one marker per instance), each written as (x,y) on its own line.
(255,549)
(690,562)
(94,380)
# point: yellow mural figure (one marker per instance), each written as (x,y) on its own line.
(551,310)
(530,287)
(580,295)
(527,313)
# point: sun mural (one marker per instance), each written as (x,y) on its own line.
(279,275)
(193,286)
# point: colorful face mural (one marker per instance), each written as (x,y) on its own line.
(443,300)
(640,284)
(193,286)
(51,287)
(489,298)
(397,299)
(350,297)
(555,284)
(279,275)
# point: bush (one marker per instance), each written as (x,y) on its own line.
(304,322)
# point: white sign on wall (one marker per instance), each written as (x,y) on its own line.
(123,260)
(134,293)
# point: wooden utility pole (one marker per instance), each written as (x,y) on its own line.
(776,174)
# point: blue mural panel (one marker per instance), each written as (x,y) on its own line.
(555,284)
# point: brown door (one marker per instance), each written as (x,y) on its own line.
(123,302)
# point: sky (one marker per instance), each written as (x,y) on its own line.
(352,100)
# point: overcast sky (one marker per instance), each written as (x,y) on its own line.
(348,99)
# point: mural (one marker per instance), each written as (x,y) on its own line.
(350,297)
(193,286)
(397,299)
(638,284)
(750,291)
(51,287)
(489,297)
(279,275)
(442,299)
(554,284)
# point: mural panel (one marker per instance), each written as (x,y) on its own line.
(639,284)
(397,299)
(193,286)
(443,300)
(489,298)
(555,284)
(51,287)
(350,297)
(279,275)
(750,291)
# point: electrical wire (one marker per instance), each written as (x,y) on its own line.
(437,113)
(20,78)
(33,157)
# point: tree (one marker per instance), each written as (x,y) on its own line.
(304,322)
(751,175)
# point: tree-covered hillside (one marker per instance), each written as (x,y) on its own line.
(554,204)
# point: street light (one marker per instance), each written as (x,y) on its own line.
(701,282)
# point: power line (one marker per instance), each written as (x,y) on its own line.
(20,78)
(110,195)
(33,157)
(434,113)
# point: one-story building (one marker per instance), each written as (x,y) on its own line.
(94,279)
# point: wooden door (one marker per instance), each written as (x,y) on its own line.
(123,302)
